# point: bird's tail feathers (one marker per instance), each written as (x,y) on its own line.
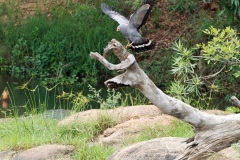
(151,2)
(145,46)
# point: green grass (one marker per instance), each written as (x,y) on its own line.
(177,128)
(23,133)
(237,148)
(27,132)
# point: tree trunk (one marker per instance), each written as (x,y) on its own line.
(212,133)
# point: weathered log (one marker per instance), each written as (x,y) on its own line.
(212,132)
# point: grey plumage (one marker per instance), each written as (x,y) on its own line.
(130,28)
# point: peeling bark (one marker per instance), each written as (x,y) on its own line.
(212,133)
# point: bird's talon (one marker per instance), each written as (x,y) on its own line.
(129,45)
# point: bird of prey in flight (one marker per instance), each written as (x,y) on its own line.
(130,28)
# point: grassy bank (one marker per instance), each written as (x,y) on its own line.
(24,133)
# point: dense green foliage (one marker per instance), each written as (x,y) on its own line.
(224,47)
(194,82)
(58,45)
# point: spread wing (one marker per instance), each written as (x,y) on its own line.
(114,14)
(139,18)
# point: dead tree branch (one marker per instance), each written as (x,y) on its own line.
(212,133)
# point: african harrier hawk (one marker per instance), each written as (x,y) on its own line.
(130,28)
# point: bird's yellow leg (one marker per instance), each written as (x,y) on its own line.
(129,45)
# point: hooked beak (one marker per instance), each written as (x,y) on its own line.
(118,29)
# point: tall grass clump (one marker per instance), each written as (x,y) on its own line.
(176,128)
(59,42)
(24,133)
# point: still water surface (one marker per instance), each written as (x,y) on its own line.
(36,97)
(42,99)
(22,99)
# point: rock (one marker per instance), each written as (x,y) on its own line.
(58,114)
(6,155)
(46,152)
(131,129)
(226,154)
(166,148)
(121,114)
(217,112)
(80,117)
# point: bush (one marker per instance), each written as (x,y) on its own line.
(202,78)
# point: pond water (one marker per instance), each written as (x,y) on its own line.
(36,97)
(33,95)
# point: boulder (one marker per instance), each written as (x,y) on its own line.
(217,112)
(120,114)
(131,129)
(226,154)
(167,148)
(57,114)
(45,152)
(7,155)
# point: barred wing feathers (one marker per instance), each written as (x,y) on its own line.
(139,18)
(114,14)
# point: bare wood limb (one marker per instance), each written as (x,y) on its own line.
(212,133)
(122,66)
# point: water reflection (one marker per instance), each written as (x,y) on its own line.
(18,95)
(27,95)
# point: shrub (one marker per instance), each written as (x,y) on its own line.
(201,78)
